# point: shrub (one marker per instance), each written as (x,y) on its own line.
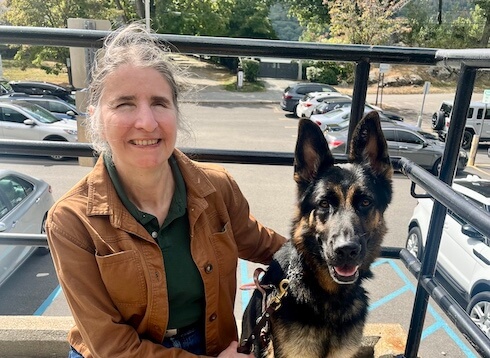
(250,69)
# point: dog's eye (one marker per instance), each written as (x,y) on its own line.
(365,203)
(324,204)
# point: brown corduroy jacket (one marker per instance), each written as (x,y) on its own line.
(112,273)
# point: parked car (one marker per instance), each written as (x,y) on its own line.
(310,101)
(332,103)
(477,122)
(464,254)
(53,104)
(295,91)
(38,87)
(342,114)
(423,148)
(28,121)
(5,87)
(24,204)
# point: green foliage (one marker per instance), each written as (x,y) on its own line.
(250,19)
(328,72)
(286,26)
(250,69)
(53,13)
(462,26)
(352,22)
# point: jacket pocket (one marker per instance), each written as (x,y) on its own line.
(124,277)
(226,250)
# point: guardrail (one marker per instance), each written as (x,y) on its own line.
(469,60)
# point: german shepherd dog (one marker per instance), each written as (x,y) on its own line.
(335,236)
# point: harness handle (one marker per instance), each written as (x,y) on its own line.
(260,329)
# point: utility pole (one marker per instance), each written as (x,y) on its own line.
(439,14)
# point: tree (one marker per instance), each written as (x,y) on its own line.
(250,19)
(484,5)
(55,13)
(369,22)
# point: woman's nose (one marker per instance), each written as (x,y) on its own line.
(146,119)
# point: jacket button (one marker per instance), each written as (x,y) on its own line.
(213,317)
(208,268)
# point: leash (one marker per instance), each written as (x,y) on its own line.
(261,329)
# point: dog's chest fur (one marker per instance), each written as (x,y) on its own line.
(311,322)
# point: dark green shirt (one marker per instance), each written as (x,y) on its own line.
(184,283)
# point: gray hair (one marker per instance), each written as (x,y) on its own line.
(131,44)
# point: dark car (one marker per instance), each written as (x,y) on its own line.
(422,148)
(55,105)
(296,91)
(42,88)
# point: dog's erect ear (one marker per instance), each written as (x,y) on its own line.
(369,145)
(312,153)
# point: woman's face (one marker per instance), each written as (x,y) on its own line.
(139,117)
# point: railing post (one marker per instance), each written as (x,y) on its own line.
(450,158)
(358,96)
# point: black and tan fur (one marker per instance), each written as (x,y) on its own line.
(336,235)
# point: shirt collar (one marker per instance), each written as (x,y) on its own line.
(177,206)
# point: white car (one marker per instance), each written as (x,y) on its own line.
(464,253)
(308,103)
(28,121)
(24,204)
(340,117)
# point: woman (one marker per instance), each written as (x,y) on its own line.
(146,245)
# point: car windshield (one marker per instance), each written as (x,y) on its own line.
(39,113)
(482,187)
(428,135)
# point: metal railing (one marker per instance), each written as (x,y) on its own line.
(469,61)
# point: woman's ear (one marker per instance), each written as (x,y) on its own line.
(91,110)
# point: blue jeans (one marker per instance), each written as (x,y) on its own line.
(191,341)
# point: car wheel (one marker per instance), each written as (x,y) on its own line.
(479,311)
(438,120)
(467,139)
(414,242)
(43,250)
(294,111)
(436,168)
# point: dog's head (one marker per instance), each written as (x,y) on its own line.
(339,225)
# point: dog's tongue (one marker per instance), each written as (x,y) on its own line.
(346,270)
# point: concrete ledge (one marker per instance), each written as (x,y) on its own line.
(45,337)
(34,336)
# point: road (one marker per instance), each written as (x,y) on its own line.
(271,193)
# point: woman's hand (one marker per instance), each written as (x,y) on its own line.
(231,352)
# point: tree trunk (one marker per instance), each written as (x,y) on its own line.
(140,8)
(486,33)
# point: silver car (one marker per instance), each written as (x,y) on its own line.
(24,204)
(420,147)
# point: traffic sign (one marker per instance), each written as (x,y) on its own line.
(486,96)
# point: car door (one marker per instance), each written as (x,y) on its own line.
(414,148)
(392,142)
(456,253)
(13,126)
(485,132)
(15,217)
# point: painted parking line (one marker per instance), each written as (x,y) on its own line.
(440,323)
(48,301)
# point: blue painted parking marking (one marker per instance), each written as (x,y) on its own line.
(439,321)
(48,301)
(407,286)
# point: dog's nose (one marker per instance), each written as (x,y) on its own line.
(347,251)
